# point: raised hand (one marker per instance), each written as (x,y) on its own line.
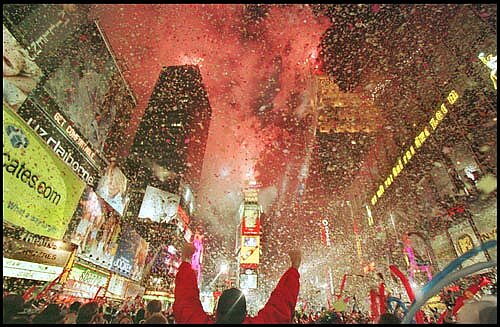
(296,258)
(187,252)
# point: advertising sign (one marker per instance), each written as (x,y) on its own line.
(325,233)
(166,263)
(464,239)
(485,217)
(95,228)
(30,270)
(442,180)
(183,216)
(158,205)
(140,259)
(62,141)
(113,186)
(466,166)
(85,87)
(43,38)
(187,199)
(249,253)
(117,285)
(131,254)
(443,250)
(40,192)
(25,246)
(86,281)
(20,73)
(250,224)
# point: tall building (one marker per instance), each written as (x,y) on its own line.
(346,131)
(170,143)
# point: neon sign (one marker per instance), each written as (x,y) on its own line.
(419,141)
(491,62)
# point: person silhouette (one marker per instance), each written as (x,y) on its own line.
(231,306)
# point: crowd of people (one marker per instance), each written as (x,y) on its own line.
(281,307)
(18,311)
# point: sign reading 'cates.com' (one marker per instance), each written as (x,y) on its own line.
(40,192)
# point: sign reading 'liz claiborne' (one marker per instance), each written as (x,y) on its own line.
(85,166)
(40,192)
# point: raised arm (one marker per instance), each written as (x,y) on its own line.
(280,307)
(187,305)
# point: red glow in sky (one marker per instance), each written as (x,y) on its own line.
(235,70)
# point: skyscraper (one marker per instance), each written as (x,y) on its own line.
(171,139)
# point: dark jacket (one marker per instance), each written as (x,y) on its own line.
(278,309)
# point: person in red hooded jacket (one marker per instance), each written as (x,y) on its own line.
(231,307)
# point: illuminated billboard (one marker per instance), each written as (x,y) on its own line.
(95,228)
(19,244)
(250,224)
(159,205)
(30,270)
(131,254)
(44,39)
(85,282)
(249,253)
(20,73)
(93,78)
(112,187)
(117,285)
(40,192)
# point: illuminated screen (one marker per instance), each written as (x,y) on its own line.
(248,281)
(158,205)
(249,241)
(249,254)
(40,192)
(250,214)
(95,229)
(30,270)
(112,187)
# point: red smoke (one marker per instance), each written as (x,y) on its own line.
(234,68)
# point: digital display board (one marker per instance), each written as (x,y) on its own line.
(159,205)
(249,253)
